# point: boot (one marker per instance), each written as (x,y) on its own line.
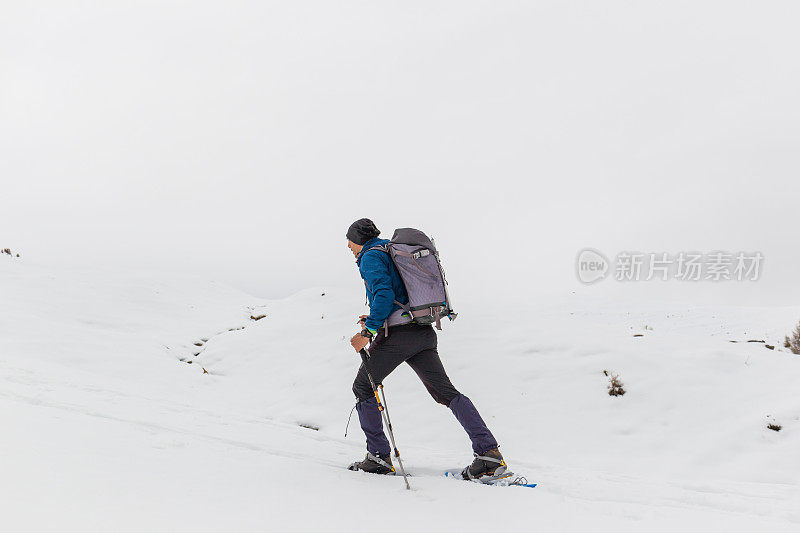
(374,465)
(489,466)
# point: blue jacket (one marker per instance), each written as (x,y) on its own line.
(382,281)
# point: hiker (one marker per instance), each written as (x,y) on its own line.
(392,343)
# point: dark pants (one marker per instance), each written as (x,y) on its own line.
(415,345)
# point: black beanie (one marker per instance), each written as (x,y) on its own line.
(362,230)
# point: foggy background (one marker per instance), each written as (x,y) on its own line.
(238,140)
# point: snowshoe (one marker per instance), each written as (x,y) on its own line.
(374,465)
(487,468)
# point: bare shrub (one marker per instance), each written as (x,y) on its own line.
(793,341)
(615,387)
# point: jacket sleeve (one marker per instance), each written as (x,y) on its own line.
(375,272)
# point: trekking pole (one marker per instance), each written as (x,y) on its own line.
(384,413)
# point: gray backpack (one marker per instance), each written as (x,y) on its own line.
(417,262)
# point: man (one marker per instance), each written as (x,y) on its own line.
(412,343)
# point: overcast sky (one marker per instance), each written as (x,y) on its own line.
(238,140)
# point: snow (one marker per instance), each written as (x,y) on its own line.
(106,425)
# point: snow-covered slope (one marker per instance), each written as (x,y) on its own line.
(106,425)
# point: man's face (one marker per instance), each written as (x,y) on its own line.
(355,248)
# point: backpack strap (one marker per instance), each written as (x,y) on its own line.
(381,247)
(415,255)
(405,308)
